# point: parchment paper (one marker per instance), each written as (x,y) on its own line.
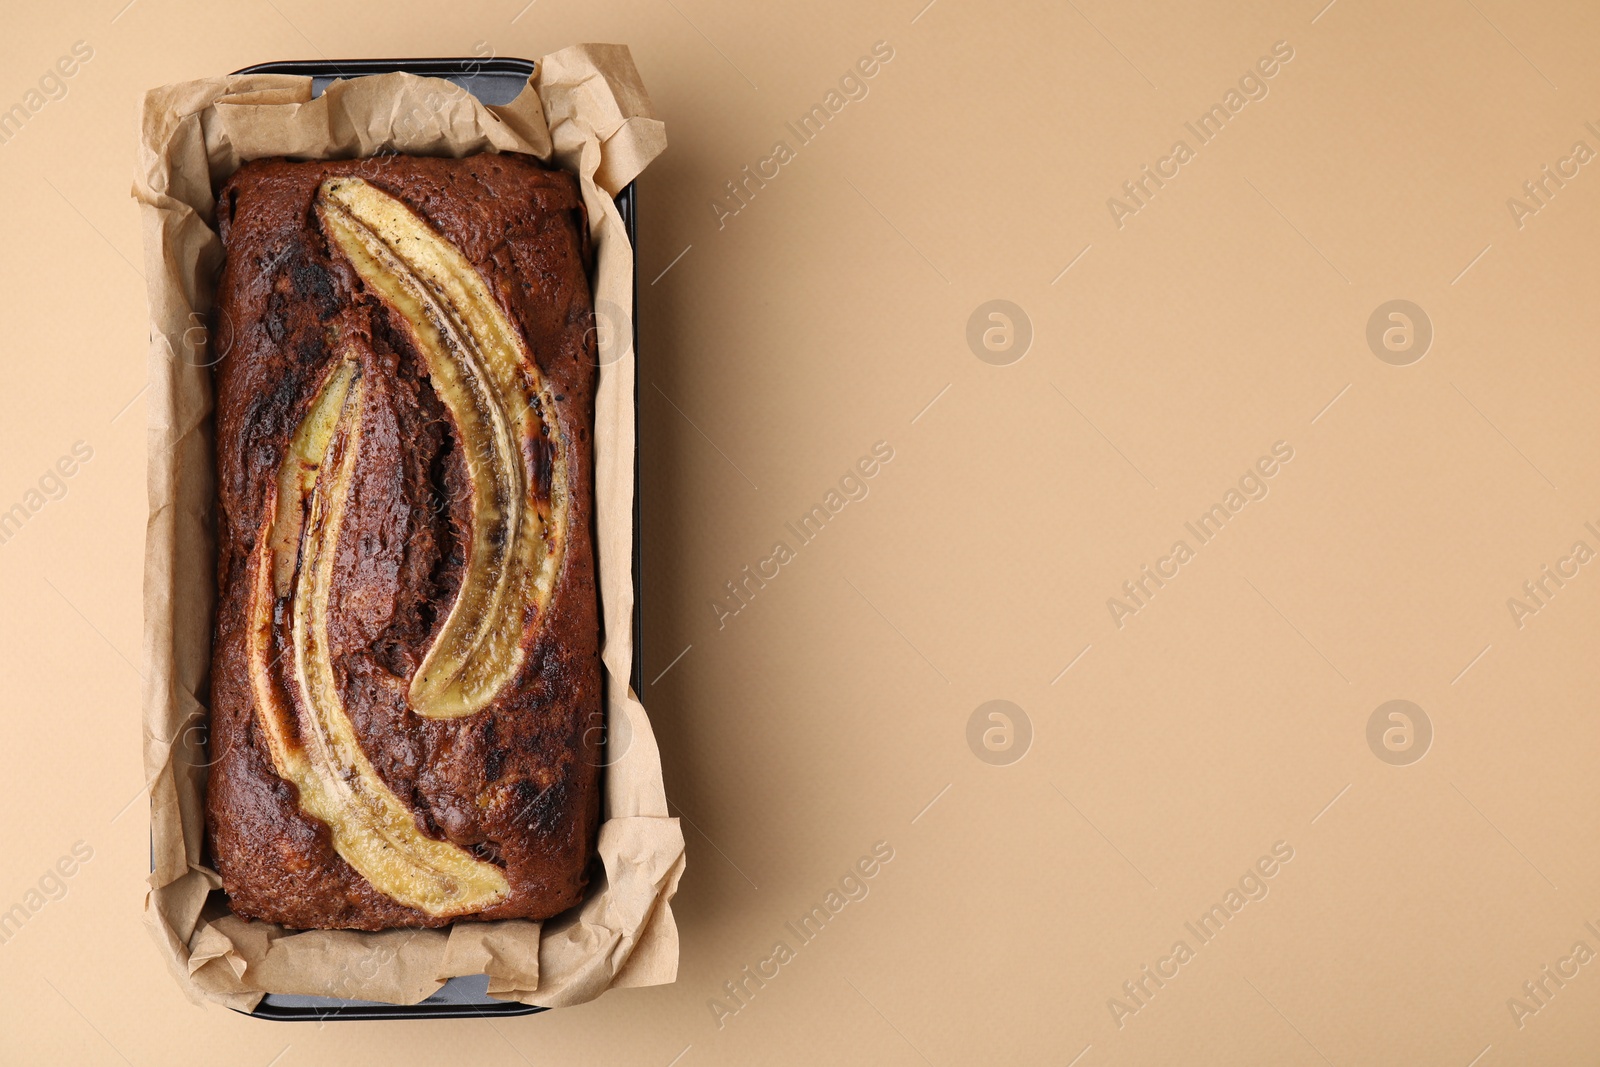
(585,110)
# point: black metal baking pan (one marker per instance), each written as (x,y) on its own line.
(493,81)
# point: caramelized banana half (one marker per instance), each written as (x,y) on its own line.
(371,827)
(505,418)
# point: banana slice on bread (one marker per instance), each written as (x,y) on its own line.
(318,750)
(481,369)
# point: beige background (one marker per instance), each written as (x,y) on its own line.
(1227,715)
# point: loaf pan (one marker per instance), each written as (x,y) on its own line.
(493,81)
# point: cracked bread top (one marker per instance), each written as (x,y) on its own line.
(515,784)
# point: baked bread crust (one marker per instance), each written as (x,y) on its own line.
(517,783)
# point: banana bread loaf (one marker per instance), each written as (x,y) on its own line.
(405,690)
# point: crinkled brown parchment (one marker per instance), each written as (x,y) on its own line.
(585,110)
